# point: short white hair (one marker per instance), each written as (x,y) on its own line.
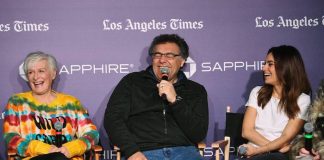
(39,55)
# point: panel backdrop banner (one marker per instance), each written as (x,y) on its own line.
(98,42)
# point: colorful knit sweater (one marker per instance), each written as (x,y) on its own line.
(29,125)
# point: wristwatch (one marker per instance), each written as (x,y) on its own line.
(178,99)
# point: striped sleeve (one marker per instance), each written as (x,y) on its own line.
(87,132)
(11,127)
(14,121)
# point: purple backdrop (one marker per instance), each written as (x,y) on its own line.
(99,42)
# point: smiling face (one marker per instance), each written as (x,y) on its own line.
(40,77)
(269,71)
(173,64)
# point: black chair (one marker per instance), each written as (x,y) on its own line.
(233,129)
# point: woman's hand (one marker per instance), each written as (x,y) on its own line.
(304,152)
(54,149)
(250,150)
(65,151)
(285,149)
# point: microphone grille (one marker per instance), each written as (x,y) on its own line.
(242,150)
(164,70)
(58,125)
(308,127)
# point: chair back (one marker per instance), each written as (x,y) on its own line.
(233,129)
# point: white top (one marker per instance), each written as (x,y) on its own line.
(270,121)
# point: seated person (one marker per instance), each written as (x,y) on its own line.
(277,110)
(317,119)
(158,113)
(43,121)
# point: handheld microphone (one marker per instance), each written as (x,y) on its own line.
(58,127)
(308,136)
(242,150)
(164,71)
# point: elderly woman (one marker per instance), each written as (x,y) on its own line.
(45,123)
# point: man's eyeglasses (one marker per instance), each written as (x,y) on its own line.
(158,55)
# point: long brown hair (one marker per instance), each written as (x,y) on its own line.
(292,75)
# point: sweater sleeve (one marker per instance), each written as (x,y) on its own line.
(12,131)
(116,114)
(36,147)
(191,113)
(303,102)
(87,134)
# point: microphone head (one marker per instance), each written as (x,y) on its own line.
(164,71)
(308,127)
(58,125)
(242,150)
